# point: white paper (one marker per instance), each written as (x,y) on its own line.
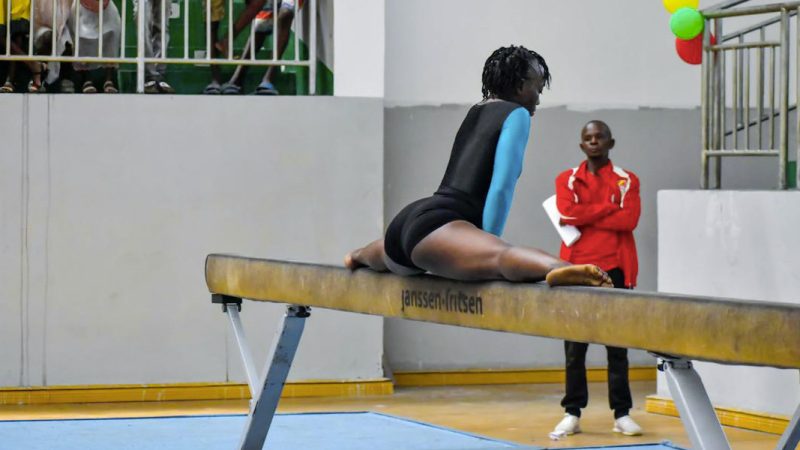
(569,234)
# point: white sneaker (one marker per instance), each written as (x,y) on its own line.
(569,425)
(627,426)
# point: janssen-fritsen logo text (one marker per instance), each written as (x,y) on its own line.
(447,300)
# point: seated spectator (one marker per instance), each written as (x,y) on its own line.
(43,41)
(263,27)
(260,13)
(155,74)
(19,25)
(88,31)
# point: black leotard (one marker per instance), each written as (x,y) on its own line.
(471,171)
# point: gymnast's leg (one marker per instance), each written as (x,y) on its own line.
(460,250)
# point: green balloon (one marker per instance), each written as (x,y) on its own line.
(686,23)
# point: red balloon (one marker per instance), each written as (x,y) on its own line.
(691,51)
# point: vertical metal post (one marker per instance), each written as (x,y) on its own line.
(140,46)
(747,99)
(275,30)
(772,98)
(208,29)
(736,98)
(186,29)
(760,84)
(299,31)
(8,27)
(100,13)
(122,28)
(784,124)
(77,45)
(694,406)
(54,34)
(705,103)
(279,361)
(721,92)
(298,24)
(230,30)
(720,88)
(251,42)
(31,19)
(797,102)
(164,27)
(791,437)
(312,49)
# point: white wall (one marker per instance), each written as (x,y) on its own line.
(739,245)
(11,228)
(105,231)
(601,53)
(359,32)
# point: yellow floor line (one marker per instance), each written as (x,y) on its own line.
(749,420)
(38,395)
(509,376)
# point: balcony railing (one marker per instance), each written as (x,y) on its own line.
(746,79)
(55,25)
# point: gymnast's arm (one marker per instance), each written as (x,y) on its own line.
(507,169)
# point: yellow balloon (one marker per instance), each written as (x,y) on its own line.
(674,5)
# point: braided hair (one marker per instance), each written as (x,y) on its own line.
(506,69)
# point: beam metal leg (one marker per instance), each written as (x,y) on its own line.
(791,437)
(244,350)
(694,406)
(265,391)
(279,361)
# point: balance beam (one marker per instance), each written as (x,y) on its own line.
(694,327)
(677,328)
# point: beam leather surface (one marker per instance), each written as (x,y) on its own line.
(701,328)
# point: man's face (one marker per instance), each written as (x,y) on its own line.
(530,91)
(596,141)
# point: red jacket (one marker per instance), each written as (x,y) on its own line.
(618,212)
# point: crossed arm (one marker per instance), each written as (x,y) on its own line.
(617,214)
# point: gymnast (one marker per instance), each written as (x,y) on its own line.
(455,233)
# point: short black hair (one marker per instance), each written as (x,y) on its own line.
(600,124)
(506,69)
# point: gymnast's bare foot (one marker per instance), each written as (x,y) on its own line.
(579,275)
(351,263)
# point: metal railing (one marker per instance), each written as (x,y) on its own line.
(59,27)
(742,101)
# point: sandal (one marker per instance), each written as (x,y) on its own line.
(109,88)
(164,87)
(213,88)
(67,86)
(150,87)
(34,88)
(231,89)
(7,87)
(88,88)
(266,88)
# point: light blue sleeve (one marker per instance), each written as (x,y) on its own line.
(507,169)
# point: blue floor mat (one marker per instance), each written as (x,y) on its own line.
(316,431)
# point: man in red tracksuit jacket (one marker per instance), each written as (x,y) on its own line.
(602,200)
